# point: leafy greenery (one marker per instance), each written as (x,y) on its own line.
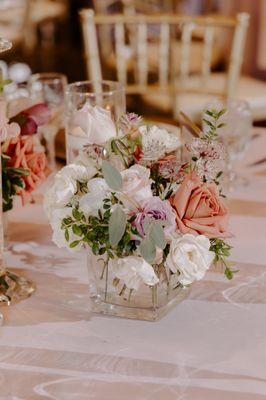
(95,231)
(211,119)
(222,250)
(111,175)
(12,182)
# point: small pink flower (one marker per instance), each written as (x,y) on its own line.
(7,130)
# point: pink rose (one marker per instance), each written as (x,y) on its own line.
(23,155)
(199,209)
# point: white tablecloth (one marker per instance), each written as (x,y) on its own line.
(210,347)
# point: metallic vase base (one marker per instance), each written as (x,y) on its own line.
(14,288)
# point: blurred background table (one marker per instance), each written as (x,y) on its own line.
(210,347)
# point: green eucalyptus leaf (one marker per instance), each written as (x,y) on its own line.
(74,244)
(112,176)
(148,249)
(157,235)
(117,226)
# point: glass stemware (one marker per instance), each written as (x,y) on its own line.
(235,135)
(49,88)
(107,95)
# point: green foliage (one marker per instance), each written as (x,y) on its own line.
(211,119)
(3,83)
(94,231)
(12,182)
(222,251)
(117,226)
(111,175)
(154,237)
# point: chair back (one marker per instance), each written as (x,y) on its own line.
(131,45)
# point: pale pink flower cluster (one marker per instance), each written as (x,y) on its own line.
(208,150)
(129,122)
(170,168)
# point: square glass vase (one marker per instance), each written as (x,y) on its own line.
(110,296)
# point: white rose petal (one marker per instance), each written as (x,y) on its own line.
(83,160)
(78,172)
(136,185)
(95,122)
(133,271)
(58,237)
(91,202)
(64,187)
(190,256)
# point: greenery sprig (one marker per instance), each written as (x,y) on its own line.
(211,119)
(12,182)
(222,250)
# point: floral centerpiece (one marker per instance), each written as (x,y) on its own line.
(151,224)
(24,164)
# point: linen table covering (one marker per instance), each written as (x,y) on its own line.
(210,347)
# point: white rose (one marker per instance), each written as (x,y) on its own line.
(92,201)
(95,123)
(133,271)
(58,237)
(85,161)
(60,194)
(64,187)
(190,255)
(78,172)
(157,142)
(136,184)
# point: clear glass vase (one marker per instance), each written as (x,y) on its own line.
(110,296)
(109,95)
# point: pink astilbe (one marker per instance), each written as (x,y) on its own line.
(170,168)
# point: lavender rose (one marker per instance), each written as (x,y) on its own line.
(155,208)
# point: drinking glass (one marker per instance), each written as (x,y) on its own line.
(80,96)
(235,135)
(49,88)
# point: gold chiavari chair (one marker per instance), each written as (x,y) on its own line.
(175,81)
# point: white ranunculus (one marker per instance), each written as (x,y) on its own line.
(157,142)
(58,237)
(136,185)
(95,122)
(133,271)
(92,201)
(190,255)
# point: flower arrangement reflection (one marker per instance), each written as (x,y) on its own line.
(139,209)
(24,165)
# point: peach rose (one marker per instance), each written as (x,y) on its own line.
(199,209)
(23,155)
